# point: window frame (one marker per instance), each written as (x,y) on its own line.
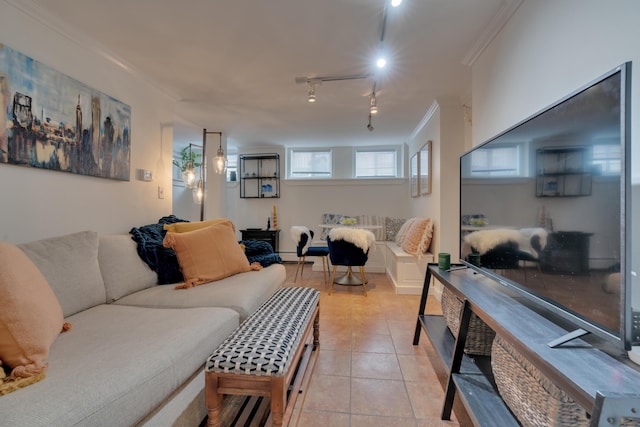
(378,149)
(521,169)
(321,176)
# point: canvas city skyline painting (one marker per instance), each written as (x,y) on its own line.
(51,121)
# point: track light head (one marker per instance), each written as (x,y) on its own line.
(369,124)
(312,93)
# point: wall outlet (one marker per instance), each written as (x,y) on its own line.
(160,192)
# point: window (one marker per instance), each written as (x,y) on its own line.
(310,163)
(376,163)
(607,159)
(496,162)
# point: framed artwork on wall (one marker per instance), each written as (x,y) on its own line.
(425,168)
(49,120)
(414,175)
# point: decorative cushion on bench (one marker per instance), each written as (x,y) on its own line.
(264,343)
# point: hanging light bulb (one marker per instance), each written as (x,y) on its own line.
(198,193)
(373,107)
(396,3)
(220,162)
(189,173)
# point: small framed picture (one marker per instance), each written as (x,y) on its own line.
(414,176)
(425,168)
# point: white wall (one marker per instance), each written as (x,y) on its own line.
(549,49)
(303,202)
(40,203)
(446,129)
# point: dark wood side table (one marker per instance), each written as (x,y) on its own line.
(270,236)
(567,252)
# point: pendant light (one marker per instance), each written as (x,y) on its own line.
(220,162)
(198,193)
(189,174)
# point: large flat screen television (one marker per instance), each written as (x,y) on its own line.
(544,209)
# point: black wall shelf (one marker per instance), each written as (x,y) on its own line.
(260,176)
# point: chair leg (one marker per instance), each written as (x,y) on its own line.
(364,282)
(300,262)
(333,278)
(325,270)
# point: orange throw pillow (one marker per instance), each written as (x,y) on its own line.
(207,254)
(30,317)
(418,237)
(181,227)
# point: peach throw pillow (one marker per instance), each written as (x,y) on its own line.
(402,232)
(181,227)
(208,254)
(418,237)
(30,317)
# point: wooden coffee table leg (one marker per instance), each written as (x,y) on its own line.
(278,399)
(213,400)
(316,330)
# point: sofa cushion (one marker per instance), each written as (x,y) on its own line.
(122,269)
(380,233)
(402,232)
(105,372)
(242,292)
(418,237)
(391,227)
(30,317)
(331,219)
(208,254)
(70,265)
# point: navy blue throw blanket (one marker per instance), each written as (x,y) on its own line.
(164,261)
(261,252)
(160,259)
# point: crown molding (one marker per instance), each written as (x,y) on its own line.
(435,106)
(498,22)
(35,12)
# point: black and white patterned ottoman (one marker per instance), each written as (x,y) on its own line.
(255,360)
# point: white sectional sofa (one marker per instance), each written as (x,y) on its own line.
(136,351)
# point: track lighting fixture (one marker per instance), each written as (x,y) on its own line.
(369,124)
(312,93)
(373,107)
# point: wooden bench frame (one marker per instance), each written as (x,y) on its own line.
(217,384)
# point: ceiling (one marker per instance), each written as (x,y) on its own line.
(231,65)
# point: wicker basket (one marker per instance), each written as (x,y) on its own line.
(530,395)
(479,336)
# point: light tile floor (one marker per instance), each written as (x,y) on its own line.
(368,372)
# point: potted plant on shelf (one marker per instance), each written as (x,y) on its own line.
(188,162)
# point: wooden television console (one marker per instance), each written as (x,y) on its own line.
(607,388)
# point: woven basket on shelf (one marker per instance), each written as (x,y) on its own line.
(479,336)
(531,396)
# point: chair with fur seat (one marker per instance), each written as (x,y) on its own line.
(302,237)
(506,249)
(350,247)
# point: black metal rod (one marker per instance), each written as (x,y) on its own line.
(204,156)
